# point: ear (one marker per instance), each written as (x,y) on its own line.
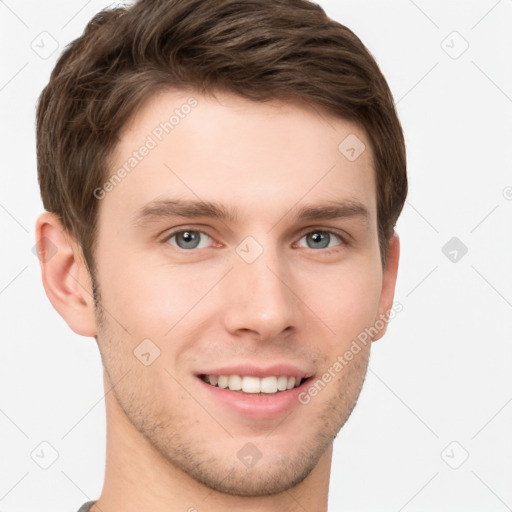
(388,284)
(66,278)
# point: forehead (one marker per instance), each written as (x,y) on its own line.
(254,156)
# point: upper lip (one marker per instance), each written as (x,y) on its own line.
(259,371)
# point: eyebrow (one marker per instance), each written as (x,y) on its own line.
(162,209)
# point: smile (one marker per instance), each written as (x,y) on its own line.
(252,384)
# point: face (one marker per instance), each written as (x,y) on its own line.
(240,250)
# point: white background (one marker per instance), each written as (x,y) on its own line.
(441,374)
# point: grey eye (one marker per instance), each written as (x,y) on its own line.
(187,239)
(320,239)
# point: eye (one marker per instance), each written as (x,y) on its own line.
(319,239)
(188,239)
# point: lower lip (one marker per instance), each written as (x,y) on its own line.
(258,406)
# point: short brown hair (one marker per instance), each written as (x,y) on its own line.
(258,49)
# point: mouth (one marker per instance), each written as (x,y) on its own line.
(252,385)
(253,391)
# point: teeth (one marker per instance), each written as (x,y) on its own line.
(235,383)
(269,385)
(282,383)
(250,384)
(223,381)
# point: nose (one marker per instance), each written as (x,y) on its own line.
(261,299)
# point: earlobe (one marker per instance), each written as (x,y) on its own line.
(66,279)
(388,284)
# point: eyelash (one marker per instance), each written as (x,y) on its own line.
(343,239)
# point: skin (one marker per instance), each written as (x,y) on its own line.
(169,447)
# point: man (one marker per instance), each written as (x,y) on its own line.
(222,180)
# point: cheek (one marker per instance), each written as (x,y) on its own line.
(149,298)
(348,302)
